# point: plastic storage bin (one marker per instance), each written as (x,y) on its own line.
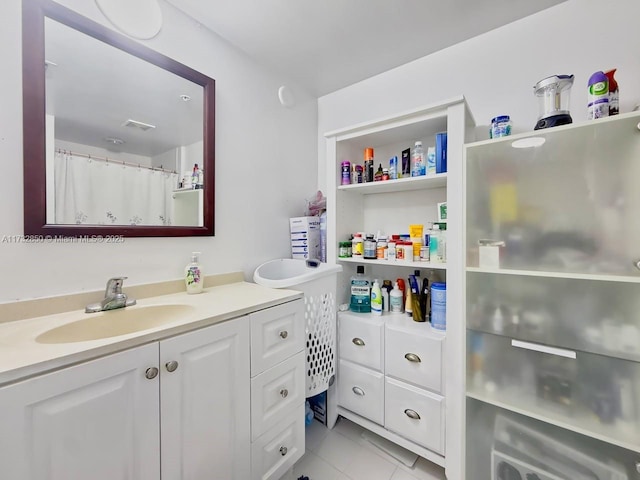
(318,283)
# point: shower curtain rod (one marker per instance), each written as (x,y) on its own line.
(115,162)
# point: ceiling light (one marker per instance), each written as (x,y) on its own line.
(137,124)
(114,140)
(531,142)
(185,98)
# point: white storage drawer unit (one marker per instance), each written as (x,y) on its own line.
(361,390)
(277,389)
(414,355)
(361,340)
(391,379)
(415,414)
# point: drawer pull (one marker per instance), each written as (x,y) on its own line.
(412,414)
(283,451)
(358,391)
(536,347)
(284,393)
(151,373)
(412,357)
(637,264)
(284,334)
(171,366)
(358,341)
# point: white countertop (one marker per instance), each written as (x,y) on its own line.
(21,356)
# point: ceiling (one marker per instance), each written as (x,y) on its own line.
(329,44)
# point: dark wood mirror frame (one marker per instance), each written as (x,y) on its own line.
(34,142)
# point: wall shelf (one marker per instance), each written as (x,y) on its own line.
(408,184)
(387,263)
(547,274)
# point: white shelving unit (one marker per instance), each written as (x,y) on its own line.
(553,333)
(390,207)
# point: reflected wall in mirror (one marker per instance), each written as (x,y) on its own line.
(118,139)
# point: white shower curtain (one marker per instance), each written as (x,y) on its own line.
(103,193)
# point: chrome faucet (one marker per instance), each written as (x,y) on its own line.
(113,297)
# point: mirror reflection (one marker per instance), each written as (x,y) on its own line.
(124,137)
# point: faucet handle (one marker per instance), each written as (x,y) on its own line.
(114,286)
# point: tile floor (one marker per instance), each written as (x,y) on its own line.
(342,454)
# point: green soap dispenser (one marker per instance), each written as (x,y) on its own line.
(193,277)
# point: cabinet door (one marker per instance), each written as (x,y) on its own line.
(205,403)
(97,420)
(276,334)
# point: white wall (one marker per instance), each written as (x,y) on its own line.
(265,167)
(496,71)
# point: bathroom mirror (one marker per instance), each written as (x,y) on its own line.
(119,140)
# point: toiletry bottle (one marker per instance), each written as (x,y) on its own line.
(401,286)
(193,275)
(408,303)
(614,96)
(360,292)
(386,295)
(434,238)
(395,299)
(368,165)
(195,175)
(598,106)
(419,167)
(376,298)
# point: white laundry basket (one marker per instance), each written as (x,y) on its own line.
(318,283)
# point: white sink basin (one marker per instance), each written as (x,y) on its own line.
(112,323)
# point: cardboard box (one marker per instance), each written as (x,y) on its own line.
(305,237)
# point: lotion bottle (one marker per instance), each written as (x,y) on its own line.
(376,298)
(193,275)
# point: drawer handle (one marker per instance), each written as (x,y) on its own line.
(358,391)
(284,334)
(637,264)
(412,414)
(151,373)
(284,393)
(358,341)
(171,366)
(283,451)
(536,347)
(412,357)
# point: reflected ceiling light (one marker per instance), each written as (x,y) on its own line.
(137,124)
(531,142)
(185,98)
(114,140)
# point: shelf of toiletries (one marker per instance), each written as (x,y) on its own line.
(407,184)
(413,265)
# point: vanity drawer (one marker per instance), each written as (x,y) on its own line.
(279,448)
(415,356)
(415,414)
(361,390)
(361,340)
(275,393)
(276,334)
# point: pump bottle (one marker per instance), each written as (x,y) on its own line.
(193,278)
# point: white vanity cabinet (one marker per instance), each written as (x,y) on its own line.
(178,408)
(96,420)
(204,402)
